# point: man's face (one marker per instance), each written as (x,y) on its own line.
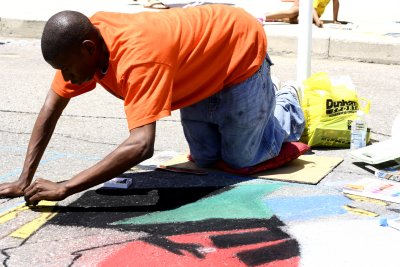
(77,65)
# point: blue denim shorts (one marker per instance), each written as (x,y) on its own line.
(244,124)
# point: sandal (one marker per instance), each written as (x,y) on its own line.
(155,4)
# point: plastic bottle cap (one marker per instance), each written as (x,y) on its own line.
(360,113)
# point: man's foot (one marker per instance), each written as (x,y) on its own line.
(295,89)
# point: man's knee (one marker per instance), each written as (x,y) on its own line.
(203,163)
(241,157)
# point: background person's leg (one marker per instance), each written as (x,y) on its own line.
(289,15)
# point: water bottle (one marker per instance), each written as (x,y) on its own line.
(358,131)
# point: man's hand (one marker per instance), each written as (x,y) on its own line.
(41,134)
(319,23)
(14,189)
(42,189)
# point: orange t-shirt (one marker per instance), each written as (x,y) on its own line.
(162,61)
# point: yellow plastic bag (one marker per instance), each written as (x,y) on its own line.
(329,108)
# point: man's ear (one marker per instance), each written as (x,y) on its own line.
(89,46)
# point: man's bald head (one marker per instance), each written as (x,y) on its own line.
(63,31)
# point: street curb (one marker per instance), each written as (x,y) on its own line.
(363,50)
(21,28)
(349,46)
(376,52)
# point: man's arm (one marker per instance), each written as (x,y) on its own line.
(136,148)
(41,134)
(335,11)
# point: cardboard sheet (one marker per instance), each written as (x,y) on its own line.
(307,169)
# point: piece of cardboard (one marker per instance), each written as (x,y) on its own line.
(306,169)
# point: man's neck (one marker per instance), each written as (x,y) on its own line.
(104,56)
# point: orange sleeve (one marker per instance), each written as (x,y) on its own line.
(67,89)
(148,93)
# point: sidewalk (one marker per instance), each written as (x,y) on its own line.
(373,34)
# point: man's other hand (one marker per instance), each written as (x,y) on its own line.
(42,189)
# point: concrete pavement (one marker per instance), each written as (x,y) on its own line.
(372,34)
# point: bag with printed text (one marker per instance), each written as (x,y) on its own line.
(329,106)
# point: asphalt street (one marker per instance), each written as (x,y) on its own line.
(169,219)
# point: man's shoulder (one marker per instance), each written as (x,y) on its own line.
(99,15)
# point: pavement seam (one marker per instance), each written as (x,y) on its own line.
(329,47)
(79,116)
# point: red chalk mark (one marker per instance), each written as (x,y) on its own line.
(140,253)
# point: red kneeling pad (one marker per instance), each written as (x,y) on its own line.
(289,152)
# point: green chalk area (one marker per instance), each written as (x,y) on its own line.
(241,202)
